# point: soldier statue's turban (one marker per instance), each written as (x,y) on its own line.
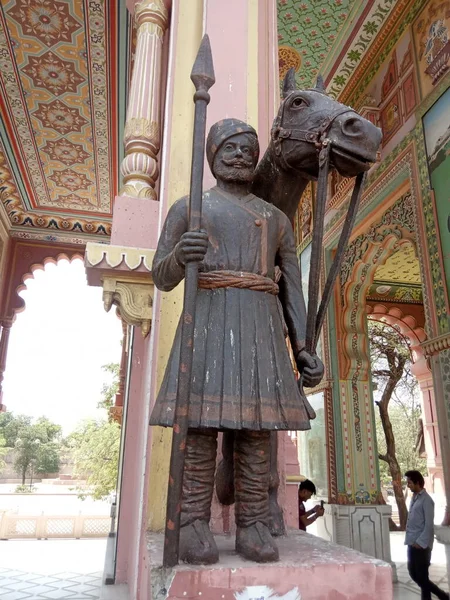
(222,131)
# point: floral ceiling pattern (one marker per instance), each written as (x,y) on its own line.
(330,37)
(306,32)
(61,110)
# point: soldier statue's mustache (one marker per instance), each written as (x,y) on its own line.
(235,169)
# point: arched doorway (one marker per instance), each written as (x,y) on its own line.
(70,378)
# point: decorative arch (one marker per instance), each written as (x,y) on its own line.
(364,255)
(24,259)
(407,326)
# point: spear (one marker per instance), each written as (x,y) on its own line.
(202,76)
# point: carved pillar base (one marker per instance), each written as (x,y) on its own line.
(364,528)
(442,535)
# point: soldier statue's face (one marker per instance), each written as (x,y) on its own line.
(236,158)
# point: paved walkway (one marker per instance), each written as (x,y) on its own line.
(406,589)
(51,569)
(72,569)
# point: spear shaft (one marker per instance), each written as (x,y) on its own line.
(203,78)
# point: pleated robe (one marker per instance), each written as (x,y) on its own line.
(242,374)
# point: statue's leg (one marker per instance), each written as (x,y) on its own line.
(252,461)
(276,520)
(197,545)
(225,470)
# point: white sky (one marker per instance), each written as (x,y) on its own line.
(58,345)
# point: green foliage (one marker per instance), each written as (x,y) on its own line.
(95,445)
(405,425)
(24,489)
(36,445)
(387,347)
(109,391)
(95,451)
(3,451)
(10,426)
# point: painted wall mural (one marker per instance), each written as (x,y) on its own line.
(392,95)
(436,123)
(431,32)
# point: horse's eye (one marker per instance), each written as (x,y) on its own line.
(298,102)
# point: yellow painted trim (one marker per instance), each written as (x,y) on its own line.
(189,34)
(295,478)
(252,63)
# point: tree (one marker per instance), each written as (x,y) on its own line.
(3,451)
(391,373)
(95,446)
(10,425)
(95,449)
(36,444)
(109,391)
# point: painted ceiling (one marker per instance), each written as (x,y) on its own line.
(333,37)
(61,115)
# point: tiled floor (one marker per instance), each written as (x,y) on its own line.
(405,588)
(51,569)
(20,585)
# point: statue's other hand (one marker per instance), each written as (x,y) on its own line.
(192,247)
(311,368)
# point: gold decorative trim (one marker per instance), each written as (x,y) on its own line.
(436,345)
(135,301)
(153,26)
(137,190)
(140,127)
(152,11)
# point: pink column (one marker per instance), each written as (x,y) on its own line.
(4,341)
(431,435)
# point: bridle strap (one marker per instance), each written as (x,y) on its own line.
(318,137)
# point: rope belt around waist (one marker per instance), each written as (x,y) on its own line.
(213,280)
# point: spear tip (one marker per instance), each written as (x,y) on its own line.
(202,74)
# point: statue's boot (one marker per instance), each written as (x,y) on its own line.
(256,543)
(225,471)
(251,465)
(197,545)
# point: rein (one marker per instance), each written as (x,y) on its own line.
(319,139)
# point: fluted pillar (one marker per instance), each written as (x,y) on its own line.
(142,127)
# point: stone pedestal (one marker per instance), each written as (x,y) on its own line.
(309,569)
(364,528)
(442,534)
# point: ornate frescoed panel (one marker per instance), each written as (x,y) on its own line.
(431,32)
(60,97)
(436,123)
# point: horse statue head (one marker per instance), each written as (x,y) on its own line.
(306,121)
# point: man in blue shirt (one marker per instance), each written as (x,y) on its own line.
(420,536)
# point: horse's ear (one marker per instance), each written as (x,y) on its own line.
(320,85)
(289,84)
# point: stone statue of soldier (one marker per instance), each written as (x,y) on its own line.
(242,377)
